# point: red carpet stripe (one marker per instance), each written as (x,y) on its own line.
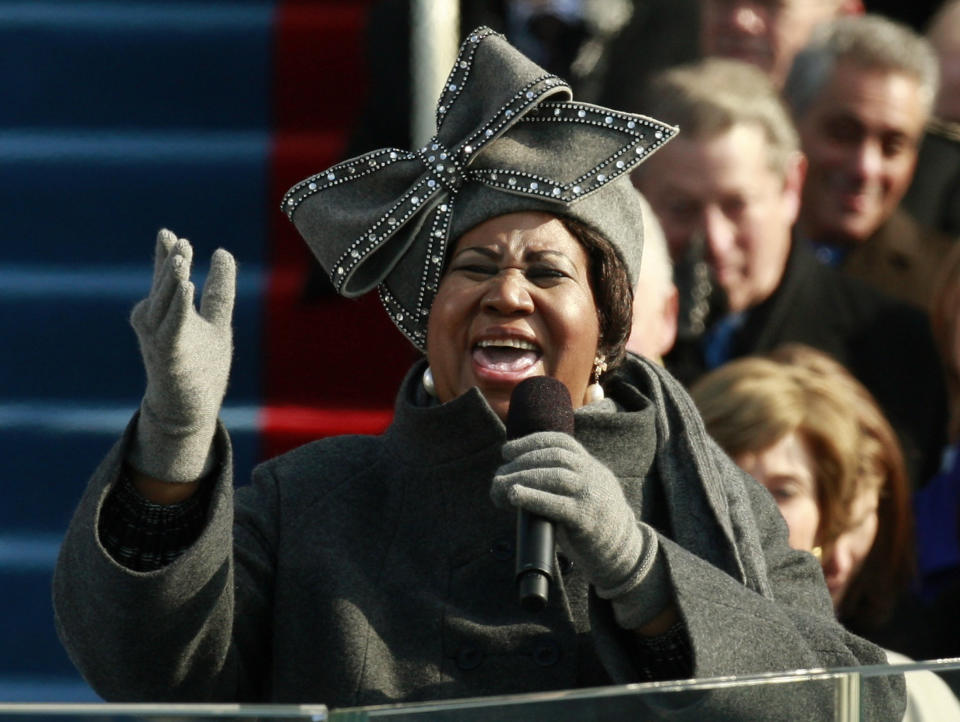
(331,366)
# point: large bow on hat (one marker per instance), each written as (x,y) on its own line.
(508,139)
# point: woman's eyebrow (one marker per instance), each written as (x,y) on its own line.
(482,250)
(549,254)
(538,255)
(529,257)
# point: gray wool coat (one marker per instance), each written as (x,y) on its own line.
(361,570)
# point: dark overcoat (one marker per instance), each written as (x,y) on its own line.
(372,569)
(884,342)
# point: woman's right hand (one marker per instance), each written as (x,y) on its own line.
(187,357)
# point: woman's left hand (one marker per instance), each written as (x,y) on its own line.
(550,474)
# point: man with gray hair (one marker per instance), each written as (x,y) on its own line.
(732,179)
(861,93)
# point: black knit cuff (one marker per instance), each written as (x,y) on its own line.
(667,656)
(144,536)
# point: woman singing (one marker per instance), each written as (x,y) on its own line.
(360,570)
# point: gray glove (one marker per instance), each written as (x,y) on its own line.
(552,475)
(187,357)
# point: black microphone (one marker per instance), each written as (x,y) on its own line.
(540,403)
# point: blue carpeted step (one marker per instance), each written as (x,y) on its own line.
(99,198)
(33,666)
(48,453)
(69,689)
(27,633)
(50,450)
(136,64)
(70,337)
(118,118)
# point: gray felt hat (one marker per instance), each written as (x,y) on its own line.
(508,139)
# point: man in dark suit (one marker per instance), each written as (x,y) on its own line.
(861,93)
(733,178)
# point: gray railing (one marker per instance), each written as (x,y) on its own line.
(648,701)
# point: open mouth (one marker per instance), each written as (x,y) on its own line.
(506,355)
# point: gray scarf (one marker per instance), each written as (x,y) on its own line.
(712,519)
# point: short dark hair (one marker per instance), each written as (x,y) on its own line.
(612,291)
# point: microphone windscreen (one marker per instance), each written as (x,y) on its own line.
(539,403)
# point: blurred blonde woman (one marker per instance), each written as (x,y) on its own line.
(814,437)
(785,426)
(873,560)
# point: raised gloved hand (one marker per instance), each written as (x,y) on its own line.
(187,357)
(552,475)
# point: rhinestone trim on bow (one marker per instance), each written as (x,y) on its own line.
(438,171)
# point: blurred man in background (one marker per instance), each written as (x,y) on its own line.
(861,94)
(765,33)
(733,179)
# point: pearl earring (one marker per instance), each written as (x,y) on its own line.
(595,390)
(428,384)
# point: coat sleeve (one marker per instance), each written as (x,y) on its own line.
(168,634)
